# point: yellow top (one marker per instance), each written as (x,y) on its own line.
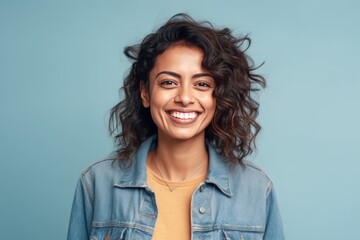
(173,222)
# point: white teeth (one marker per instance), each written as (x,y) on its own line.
(182,115)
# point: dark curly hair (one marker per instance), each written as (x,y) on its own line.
(233,129)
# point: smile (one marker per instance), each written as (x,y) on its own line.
(183,115)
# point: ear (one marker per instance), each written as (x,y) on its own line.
(144,95)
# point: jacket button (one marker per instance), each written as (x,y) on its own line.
(202,188)
(202,210)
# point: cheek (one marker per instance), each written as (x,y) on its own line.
(213,107)
(160,99)
(209,102)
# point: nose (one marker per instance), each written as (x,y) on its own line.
(185,95)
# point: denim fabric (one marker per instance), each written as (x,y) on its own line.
(234,202)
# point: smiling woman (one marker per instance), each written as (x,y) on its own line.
(183,131)
(180,94)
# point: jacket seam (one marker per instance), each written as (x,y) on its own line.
(95,163)
(124,225)
(269,188)
(87,190)
(255,229)
(252,165)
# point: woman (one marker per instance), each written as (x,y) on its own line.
(183,131)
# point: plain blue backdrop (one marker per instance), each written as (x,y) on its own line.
(61,65)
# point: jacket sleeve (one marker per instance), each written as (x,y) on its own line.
(81,213)
(274,228)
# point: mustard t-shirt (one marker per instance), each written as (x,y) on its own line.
(173,222)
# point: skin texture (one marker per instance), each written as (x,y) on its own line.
(182,105)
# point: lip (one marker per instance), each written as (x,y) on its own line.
(184,110)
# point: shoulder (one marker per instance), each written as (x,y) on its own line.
(255,169)
(99,165)
(249,175)
(237,177)
(104,170)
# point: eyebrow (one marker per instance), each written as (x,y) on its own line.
(174,74)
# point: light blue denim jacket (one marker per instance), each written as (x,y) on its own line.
(234,202)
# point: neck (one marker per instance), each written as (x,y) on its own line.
(180,159)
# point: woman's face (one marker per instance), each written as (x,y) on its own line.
(181,97)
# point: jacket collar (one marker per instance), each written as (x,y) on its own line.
(135,175)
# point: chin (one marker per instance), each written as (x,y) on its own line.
(185,135)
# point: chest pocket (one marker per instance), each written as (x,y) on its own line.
(108,233)
(118,233)
(242,235)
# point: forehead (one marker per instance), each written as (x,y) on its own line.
(181,58)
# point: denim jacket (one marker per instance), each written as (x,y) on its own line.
(236,201)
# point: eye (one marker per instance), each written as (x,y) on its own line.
(168,83)
(203,85)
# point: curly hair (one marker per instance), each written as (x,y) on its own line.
(233,128)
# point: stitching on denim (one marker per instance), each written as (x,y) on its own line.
(222,190)
(252,165)
(95,163)
(136,226)
(255,229)
(137,217)
(269,188)
(87,190)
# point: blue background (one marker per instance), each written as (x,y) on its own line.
(61,65)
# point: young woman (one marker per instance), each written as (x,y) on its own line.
(183,131)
